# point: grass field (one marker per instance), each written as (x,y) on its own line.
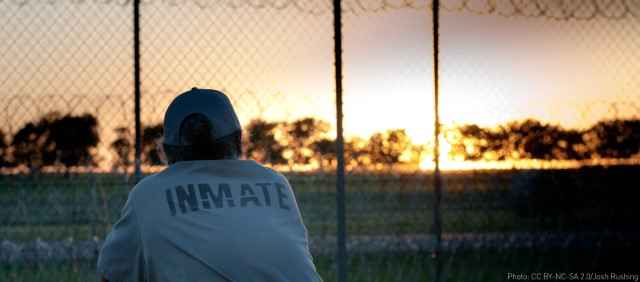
(57,207)
(84,206)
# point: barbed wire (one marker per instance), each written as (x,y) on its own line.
(549,9)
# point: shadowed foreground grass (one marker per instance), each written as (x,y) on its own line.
(461,266)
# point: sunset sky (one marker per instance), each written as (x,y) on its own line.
(278,65)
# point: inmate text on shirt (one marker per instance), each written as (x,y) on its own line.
(222,220)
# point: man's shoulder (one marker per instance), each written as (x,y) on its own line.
(240,170)
(273,173)
(253,169)
(147,182)
(270,170)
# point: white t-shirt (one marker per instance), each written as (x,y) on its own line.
(220,220)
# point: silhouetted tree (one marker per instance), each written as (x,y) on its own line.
(473,142)
(31,144)
(325,150)
(301,135)
(356,153)
(123,148)
(261,142)
(386,148)
(67,140)
(417,153)
(528,139)
(615,138)
(570,145)
(73,137)
(150,136)
(531,139)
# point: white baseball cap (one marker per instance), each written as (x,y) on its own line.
(213,104)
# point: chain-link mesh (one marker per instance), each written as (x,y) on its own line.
(539,109)
(539,119)
(66,75)
(388,121)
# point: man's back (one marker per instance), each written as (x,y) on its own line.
(213,220)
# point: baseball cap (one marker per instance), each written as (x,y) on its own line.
(212,104)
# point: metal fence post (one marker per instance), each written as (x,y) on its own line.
(340,173)
(437,178)
(136,79)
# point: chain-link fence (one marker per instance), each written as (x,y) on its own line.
(539,142)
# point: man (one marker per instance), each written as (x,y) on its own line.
(208,216)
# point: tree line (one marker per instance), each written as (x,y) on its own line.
(307,141)
(300,142)
(68,140)
(54,139)
(535,140)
